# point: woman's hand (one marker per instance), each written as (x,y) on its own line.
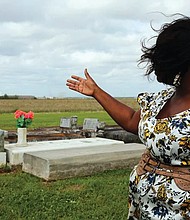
(86,86)
(123,115)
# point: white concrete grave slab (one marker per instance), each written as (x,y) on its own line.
(15,153)
(83,161)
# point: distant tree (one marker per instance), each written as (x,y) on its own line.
(6,96)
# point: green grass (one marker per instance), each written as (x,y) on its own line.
(101,196)
(8,122)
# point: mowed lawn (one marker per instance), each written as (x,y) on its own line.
(103,196)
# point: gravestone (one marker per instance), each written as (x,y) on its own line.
(91,124)
(69,122)
(2,141)
(2,149)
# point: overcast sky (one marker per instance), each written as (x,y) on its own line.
(43,42)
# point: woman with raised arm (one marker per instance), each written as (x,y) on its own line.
(159,185)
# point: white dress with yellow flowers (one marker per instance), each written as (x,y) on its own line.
(153,196)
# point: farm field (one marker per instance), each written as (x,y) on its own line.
(48,112)
(57,105)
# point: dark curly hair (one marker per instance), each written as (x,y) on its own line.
(171,52)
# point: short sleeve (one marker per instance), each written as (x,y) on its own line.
(152,103)
(146,102)
(145,99)
(154,100)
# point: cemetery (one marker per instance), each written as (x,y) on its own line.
(66,167)
(71,150)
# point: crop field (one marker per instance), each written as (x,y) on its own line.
(57,105)
(48,112)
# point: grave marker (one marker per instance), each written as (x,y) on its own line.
(2,141)
(69,122)
(91,124)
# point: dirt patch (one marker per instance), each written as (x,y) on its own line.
(57,133)
(10,169)
(46,134)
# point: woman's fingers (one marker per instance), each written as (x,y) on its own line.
(77,78)
(80,84)
(87,75)
(70,81)
(73,86)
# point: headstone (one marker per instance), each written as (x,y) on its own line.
(74,120)
(2,141)
(101,125)
(91,124)
(2,158)
(69,122)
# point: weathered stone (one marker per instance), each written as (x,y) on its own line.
(91,124)
(121,135)
(70,122)
(66,163)
(2,141)
(15,153)
(2,158)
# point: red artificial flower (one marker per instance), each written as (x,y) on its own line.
(23,119)
(19,113)
(30,115)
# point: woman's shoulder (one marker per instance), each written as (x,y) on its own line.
(144,99)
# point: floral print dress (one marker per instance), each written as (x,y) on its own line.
(153,196)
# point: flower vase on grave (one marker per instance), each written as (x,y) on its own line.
(21,137)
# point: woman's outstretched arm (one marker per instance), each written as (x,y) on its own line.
(122,114)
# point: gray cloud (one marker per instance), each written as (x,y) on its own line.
(43,42)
